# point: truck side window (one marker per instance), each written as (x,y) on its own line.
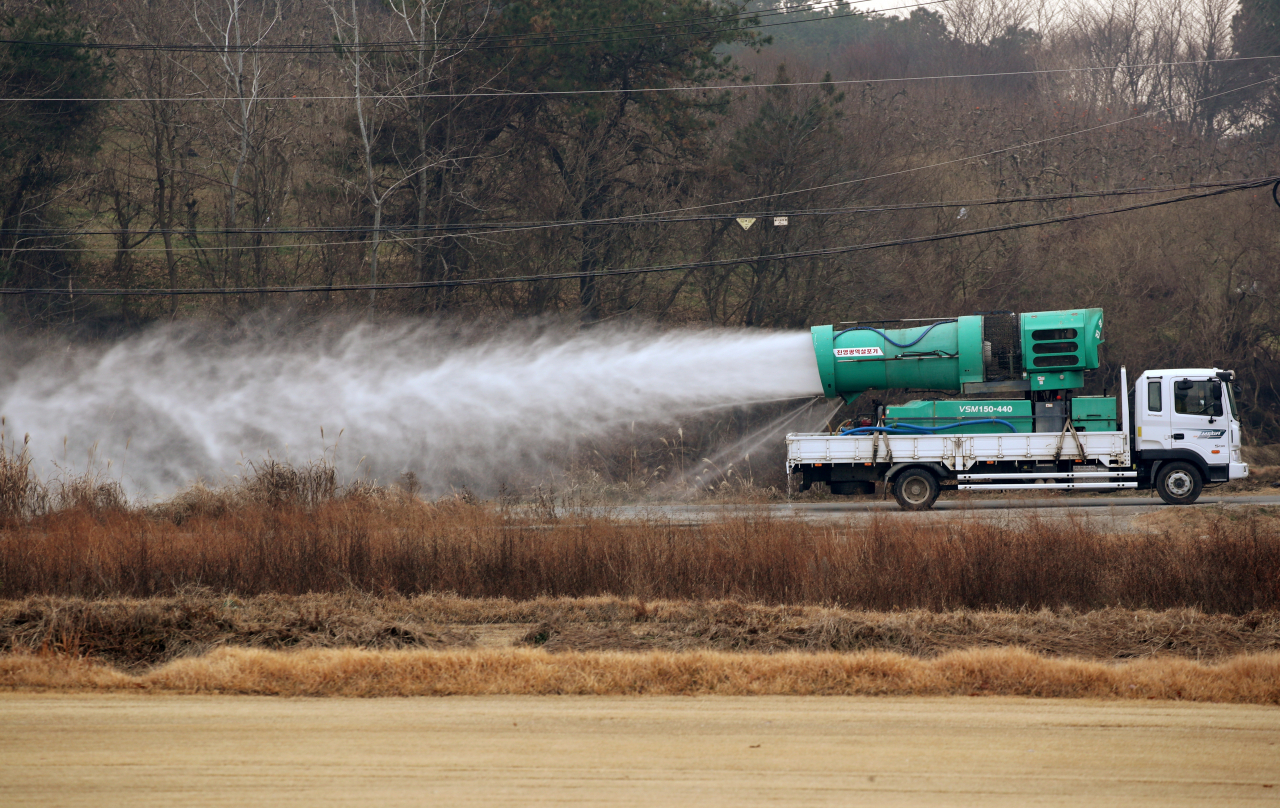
(1198,398)
(1153,397)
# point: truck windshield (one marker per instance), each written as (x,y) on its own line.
(1198,398)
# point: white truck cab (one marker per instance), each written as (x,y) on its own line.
(1186,430)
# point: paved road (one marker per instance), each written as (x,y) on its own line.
(868,504)
(1107,513)
(141,751)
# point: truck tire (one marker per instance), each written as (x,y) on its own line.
(1179,483)
(915,490)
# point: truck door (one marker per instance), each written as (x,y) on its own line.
(1197,421)
(1152,415)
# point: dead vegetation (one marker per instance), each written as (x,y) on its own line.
(1246,679)
(23,496)
(386,542)
(135,634)
(370,588)
(1198,521)
(268,484)
(1263,456)
(1262,479)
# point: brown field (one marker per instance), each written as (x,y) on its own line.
(1245,679)
(129,750)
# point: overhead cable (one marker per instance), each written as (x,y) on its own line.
(606,273)
(489,228)
(639,90)
(1017,147)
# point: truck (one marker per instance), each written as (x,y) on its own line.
(1020,420)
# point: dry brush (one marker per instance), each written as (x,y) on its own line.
(251,542)
(1247,679)
(138,633)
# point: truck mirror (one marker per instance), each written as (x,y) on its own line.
(1237,389)
(1184,384)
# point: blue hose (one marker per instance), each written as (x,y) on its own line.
(889,339)
(867,430)
(912,429)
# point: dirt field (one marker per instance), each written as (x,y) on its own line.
(193,751)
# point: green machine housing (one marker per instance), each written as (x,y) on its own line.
(1033,357)
(936,414)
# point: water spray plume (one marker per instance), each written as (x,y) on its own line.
(726,463)
(455,406)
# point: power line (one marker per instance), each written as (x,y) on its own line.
(900,172)
(1029,144)
(461,282)
(471,228)
(994,152)
(636,90)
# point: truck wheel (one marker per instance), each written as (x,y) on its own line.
(915,490)
(1179,483)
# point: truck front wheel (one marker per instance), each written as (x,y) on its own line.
(1179,483)
(915,490)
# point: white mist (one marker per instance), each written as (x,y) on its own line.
(182,403)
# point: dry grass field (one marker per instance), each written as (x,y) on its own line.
(287,577)
(1244,679)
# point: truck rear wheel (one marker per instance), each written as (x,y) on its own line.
(915,490)
(1179,483)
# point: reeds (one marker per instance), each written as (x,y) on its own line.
(292,531)
(387,542)
(21,495)
(1247,679)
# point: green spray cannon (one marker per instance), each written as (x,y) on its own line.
(981,354)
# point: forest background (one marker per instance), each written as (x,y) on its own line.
(448,147)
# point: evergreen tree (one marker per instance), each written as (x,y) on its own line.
(42,138)
(608,150)
(1255,30)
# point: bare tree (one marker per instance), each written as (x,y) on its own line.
(1202,81)
(1153,55)
(158,121)
(434,94)
(242,76)
(348,25)
(979,22)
